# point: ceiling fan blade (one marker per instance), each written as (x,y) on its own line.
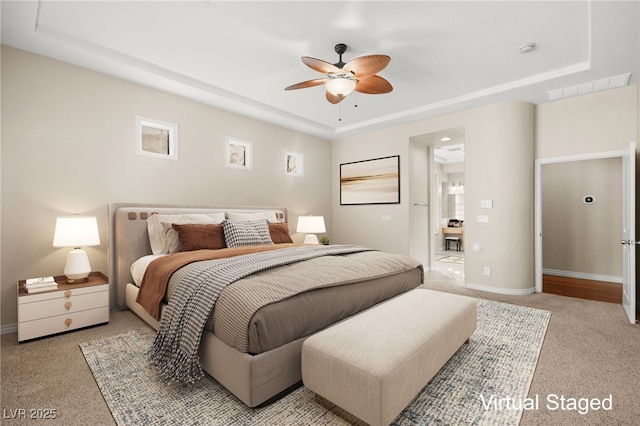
(373,85)
(365,66)
(319,65)
(305,84)
(333,98)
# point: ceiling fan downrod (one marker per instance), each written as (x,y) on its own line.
(340,48)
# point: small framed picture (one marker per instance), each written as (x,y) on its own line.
(293,163)
(156,138)
(239,154)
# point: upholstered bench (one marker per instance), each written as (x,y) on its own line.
(375,363)
(449,240)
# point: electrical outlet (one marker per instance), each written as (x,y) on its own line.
(487,270)
(483,218)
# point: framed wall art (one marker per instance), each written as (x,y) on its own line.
(375,181)
(156,138)
(239,154)
(293,163)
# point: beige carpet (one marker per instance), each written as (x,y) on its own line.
(590,350)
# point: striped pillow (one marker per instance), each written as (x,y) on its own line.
(246,233)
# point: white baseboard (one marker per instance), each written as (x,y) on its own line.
(498,290)
(583,275)
(9,328)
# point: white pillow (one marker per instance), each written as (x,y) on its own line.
(270,216)
(157,235)
(171,237)
(139,267)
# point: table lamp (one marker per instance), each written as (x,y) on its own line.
(76,231)
(310,225)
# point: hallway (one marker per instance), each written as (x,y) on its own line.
(451,264)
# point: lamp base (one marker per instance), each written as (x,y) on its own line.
(77,280)
(311,239)
(77,268)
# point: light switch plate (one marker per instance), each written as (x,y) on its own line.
(482,218)
(486,204)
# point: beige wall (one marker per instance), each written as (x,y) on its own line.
(602,121)
(499,149)
(578,237)
(599,122)
(68,146)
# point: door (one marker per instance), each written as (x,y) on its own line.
(419,199)
(629,232)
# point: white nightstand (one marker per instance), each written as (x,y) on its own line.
(69,307)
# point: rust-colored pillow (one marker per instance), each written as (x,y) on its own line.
(200,236)
(279,233)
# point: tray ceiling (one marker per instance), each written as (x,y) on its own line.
(239,56)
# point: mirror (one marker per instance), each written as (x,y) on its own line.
(455,206)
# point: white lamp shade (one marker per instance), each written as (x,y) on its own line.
(311,224)
(76,231)
(340,86)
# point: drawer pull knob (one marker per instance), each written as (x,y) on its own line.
(67,293)
(67,322)
(67,305)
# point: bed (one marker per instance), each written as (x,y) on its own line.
(257,371)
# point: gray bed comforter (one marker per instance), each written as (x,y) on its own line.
(276,306)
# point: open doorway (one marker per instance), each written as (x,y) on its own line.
(444,235)
(449,235)
(625,236)
(581,219)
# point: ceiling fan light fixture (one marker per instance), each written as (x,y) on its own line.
(340,86)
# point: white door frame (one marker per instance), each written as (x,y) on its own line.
(538,199)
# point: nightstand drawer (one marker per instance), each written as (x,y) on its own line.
(69,307)
(62,305)
(60,323)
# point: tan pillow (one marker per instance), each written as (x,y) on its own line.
(279,233)
(200,236)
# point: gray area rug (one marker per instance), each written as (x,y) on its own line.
(498,362)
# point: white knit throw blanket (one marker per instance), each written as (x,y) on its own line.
(175,349)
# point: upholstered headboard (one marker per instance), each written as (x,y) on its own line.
(129,240)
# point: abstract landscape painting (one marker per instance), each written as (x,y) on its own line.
(375,181)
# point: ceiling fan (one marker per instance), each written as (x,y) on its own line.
(358,74)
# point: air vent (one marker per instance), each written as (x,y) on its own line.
(589,87)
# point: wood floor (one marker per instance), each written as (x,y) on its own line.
(583,289)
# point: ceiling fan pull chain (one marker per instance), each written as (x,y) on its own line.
(340,112)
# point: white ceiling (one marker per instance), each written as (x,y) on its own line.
(445,56)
